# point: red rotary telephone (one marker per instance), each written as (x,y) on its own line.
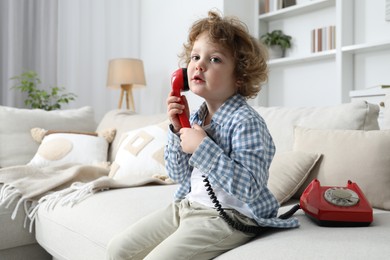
(336,206)
(179,81)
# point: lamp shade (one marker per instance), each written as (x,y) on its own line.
(125,71)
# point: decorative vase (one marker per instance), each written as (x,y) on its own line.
(275,52)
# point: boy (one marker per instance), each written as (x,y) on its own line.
(229,144)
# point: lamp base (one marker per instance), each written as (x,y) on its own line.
(126,91)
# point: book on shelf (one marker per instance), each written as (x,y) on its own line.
(323,39)
(267,6)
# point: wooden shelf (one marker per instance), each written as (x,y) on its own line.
(330,54)
(366,47)
(296,10)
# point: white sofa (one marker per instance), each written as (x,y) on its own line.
(83,231)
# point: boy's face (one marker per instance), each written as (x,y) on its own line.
(211,71)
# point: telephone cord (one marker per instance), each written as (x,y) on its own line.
(235,224)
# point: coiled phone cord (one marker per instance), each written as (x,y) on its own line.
(235,224)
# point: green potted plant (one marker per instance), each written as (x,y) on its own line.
(277,43)
(51,99)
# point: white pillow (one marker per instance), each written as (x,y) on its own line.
(141,153)
(16,145)
(125,121)
(61,148)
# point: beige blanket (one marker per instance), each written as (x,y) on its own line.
(65,185)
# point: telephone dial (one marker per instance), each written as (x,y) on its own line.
(327,206)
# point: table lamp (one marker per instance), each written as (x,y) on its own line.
(126,74)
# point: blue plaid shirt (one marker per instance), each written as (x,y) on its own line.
(235,156)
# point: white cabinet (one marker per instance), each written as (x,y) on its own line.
(361,58)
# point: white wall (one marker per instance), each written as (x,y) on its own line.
(164,29)
(371,69)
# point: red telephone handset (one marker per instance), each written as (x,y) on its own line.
(179,83)
(336,206)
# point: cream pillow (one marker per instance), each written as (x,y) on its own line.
(357,115)
(360,156)
(288,171)
(141,153)
(61,148)
(16,145)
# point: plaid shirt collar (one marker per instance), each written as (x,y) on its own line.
(223,113)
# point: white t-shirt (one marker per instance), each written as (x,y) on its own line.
(199,194)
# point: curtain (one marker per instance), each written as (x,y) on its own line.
(90,33)
(28,41)
(69,44)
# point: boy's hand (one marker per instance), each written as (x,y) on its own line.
(175,108)
(191,138)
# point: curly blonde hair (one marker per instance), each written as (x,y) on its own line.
(249,54)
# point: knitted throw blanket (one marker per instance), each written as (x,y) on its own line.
(67,184)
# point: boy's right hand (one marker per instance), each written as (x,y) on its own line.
(175,108)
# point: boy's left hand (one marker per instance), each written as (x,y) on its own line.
(191,138)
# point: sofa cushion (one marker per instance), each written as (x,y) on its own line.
(310,241)
(357,115)
(141,152)
(124,121)
(288,171)
(360,156)
(16,144)
(83,230)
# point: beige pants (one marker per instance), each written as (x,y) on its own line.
(183,230)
